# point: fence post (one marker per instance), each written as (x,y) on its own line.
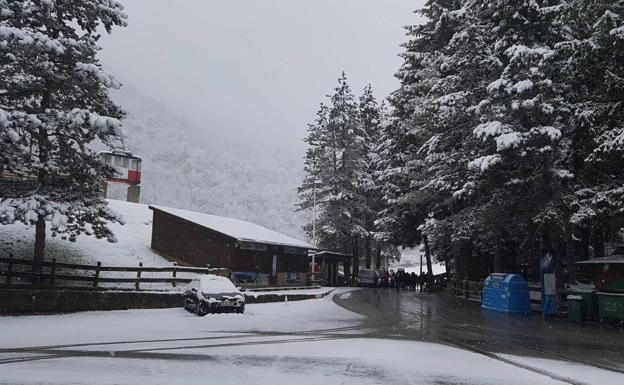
(175,267)
(52,271)
(97,274)
(9,269)
(138,276)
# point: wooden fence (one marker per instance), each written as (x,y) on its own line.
(465,288)
(51,273)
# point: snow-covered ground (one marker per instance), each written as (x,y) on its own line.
(309,342)
(132,246)
(410,261)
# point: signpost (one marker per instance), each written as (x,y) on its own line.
(550,300)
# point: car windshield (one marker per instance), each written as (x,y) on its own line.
(312,192)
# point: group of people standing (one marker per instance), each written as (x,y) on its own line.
(402,280)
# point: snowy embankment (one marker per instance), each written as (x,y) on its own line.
(132,246)
(309,342)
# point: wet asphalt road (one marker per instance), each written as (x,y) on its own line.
(462,323)
(388,315)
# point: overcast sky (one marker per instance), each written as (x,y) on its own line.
(256,69)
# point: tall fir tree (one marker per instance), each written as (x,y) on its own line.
(506,130)
(339,165)
(54,105)
(410,139)
(333,166)
(590,65)
(372,117)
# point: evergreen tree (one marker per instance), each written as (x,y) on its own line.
(503,136)
(340,164)
(54,105)
(411,141)
(334,168)
(372,117)
(590,64)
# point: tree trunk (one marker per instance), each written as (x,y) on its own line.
(570,257)
(347,273)
(40,229)
(462,259)
(498,259)
(427,255)
(356,257)
(598,241)
(369,257)
(378,259)
(583,247)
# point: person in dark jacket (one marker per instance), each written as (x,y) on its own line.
(413,281)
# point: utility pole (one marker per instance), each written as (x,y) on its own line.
(314,240)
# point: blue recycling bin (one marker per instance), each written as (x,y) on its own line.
(507,293)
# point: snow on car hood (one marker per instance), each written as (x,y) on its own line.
(214,285)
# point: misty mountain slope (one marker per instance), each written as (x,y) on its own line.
(202,169)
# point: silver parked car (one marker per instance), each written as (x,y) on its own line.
(213,294)
(368,277)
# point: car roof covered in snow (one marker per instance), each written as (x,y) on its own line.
(215,284)
(243,231)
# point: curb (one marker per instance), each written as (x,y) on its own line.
(268,298)
(281,288)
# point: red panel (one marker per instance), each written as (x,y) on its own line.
(134,176)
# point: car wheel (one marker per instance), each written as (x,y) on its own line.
(187,305)
(200,309)
(240,309)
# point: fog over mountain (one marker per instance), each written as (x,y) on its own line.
(220,176)
(219,94)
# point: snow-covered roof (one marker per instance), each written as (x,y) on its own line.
(243,231)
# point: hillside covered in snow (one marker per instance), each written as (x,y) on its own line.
(201,169)
(132,246)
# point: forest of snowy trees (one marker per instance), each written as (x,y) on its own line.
(504,140)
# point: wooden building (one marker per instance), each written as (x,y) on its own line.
(256,255)
(327,264)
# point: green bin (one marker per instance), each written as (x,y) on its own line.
(575,308)
(589,311)
(611,306)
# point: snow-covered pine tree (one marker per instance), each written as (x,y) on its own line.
(54,104)
(372,116)
(412,141)
(316,162)
(336,172)
(519,128)
(507,125)
(590,64)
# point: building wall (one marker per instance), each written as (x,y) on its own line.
(192,244)
(189,243)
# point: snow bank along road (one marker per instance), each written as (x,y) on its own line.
(315,342)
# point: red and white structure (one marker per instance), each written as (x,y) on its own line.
(128,172)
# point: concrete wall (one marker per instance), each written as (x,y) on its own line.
(29,301)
